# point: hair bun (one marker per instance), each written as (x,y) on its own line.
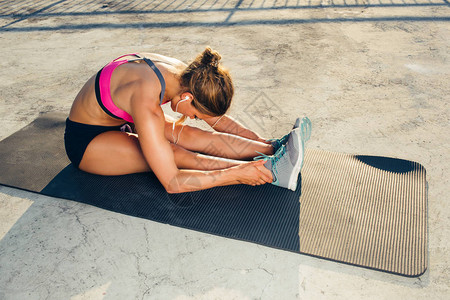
(210,57)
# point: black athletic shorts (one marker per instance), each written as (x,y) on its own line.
(78,136)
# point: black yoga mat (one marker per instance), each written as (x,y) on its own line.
(361,210)
(265,215)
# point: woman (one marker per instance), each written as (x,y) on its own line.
(131,89)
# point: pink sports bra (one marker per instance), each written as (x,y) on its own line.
(103,82)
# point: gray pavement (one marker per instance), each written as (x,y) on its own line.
(373,77)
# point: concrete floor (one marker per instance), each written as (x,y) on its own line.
(372,76)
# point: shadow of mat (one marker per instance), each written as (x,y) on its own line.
(35,154)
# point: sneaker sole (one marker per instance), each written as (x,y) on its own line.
(303,136)
(298,165)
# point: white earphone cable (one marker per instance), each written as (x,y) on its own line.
(173,124)
(215,123)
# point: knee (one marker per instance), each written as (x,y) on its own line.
(184,134)
(175,148)
(192,135)
(172,133)
(180,154)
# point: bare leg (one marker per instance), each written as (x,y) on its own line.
(117,153)
(217,143)
(186,159)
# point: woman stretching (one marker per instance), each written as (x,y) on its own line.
(131,89)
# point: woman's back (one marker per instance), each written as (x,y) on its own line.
(122,79)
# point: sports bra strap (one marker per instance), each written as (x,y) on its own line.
(132,54)
(160,77)
(154,68)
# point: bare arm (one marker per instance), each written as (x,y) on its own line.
(149,121)
(227,124)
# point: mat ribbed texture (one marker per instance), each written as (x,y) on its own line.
(364,210)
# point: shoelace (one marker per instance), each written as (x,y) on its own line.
(274,158)
(280,141)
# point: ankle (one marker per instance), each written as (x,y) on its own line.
(268,149)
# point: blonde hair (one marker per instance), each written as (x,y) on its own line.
(209,82)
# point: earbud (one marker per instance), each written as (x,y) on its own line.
(186,98)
